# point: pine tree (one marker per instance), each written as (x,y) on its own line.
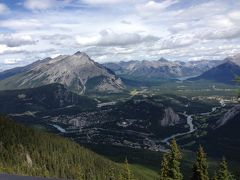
(110,174)
(215,176)
(164,168)
(200,168)
(174,158)
(127,175)
(223,172)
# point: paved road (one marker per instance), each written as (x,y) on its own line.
(14,177)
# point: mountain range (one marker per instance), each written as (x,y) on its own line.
(161,69)
(77,72)
(80,74)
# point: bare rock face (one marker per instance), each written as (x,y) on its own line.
(228,116)
(74,72)
(29,160)
(170,118)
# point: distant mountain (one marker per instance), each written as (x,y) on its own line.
(161,69)
(77,72)
(223,73)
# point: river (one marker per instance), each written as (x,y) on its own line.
(190,123)
(191,129)
(58,128)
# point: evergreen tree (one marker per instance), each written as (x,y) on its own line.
(174,158)
(127,174)
(111,174)
(223,172)
(164,168)
(200,168)
(215,176)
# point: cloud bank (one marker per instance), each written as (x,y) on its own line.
(114,30)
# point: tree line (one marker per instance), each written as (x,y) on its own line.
(170,167)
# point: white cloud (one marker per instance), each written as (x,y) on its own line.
(102,1)
(45,4)
(20,24)
(8,50)
(109,2)
(225,34)
(235,15)
(126,22)
(110,38)
(153,7)
(39,5)
(3,8)
(179,27)
(136,29)
(11,61)
(16,40)
(178,41)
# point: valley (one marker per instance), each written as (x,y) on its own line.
(142,116)
(120,89)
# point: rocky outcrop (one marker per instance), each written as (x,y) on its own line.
(228,116)
(170,118)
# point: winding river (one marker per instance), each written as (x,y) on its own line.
(190,123)
(59,128)
(191,129)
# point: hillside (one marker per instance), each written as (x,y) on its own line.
(25,151)
(42,98)
(77,72)
(225,135)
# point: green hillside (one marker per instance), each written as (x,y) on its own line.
(26,151)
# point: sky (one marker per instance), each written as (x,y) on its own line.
(118,30)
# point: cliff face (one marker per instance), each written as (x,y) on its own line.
(228,116)
(170,118)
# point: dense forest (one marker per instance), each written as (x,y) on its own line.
(27,151)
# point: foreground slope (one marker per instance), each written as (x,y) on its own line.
(77,72)
(29,152)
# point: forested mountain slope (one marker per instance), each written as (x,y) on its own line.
(26,151)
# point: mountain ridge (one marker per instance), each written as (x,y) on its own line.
(73,71)
(161,69)
(223,73)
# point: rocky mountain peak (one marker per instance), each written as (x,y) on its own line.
(78,53)
(78,72)
(162,59)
